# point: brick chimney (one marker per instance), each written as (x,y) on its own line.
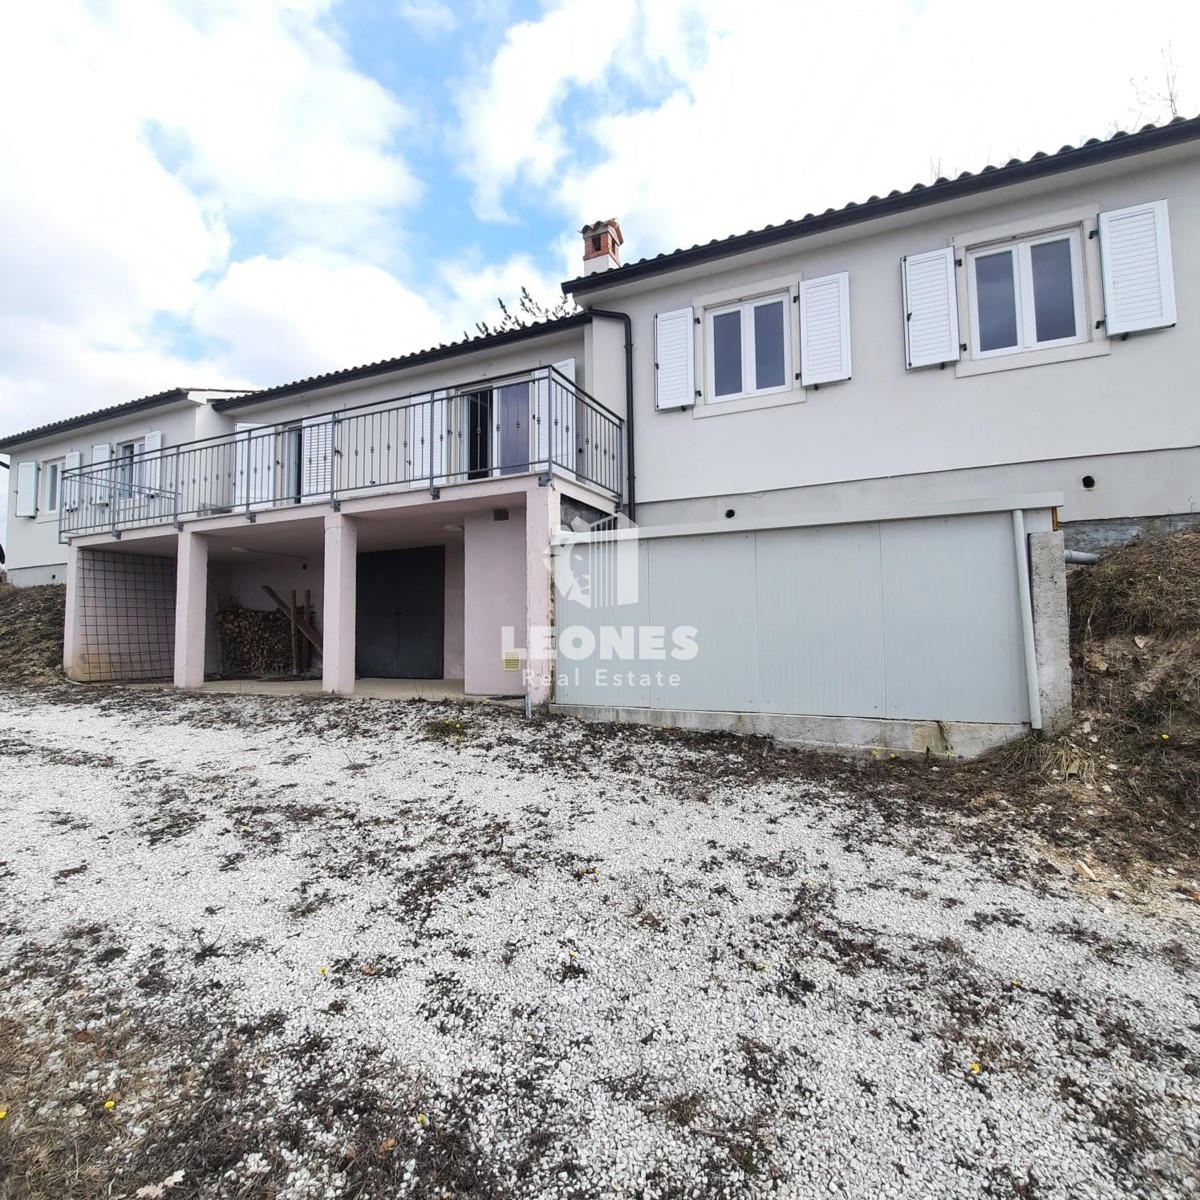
(601,246)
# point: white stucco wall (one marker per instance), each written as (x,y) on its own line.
(495,596)
(33,550)
(1138,395)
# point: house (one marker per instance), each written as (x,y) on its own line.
(863,438)
(854,446)
(411,500)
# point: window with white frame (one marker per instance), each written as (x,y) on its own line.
(748,348)
(130,467)
(52,485)
(1027,295)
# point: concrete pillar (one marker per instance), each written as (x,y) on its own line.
(341,602)
(1051,632)
(191,609)
(542,518)
(73,627)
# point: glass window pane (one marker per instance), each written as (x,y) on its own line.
(768,345)
(1053,290)
(996,299)
(727,353)
(52,487)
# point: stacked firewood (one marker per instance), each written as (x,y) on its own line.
(254,644)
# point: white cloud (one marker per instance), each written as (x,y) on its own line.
(430,18)
(471,287)
(284,319)
(767,110)
(135,136)
(510,125)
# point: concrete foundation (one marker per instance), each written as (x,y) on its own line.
(956,738)
(1098,537)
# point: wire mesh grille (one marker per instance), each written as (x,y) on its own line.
(127,616)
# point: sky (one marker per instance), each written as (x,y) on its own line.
(235,193)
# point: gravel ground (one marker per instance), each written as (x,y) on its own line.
(309,948)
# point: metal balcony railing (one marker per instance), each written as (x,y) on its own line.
(533,423)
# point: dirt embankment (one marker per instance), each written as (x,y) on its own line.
(1125,782)
(31,634)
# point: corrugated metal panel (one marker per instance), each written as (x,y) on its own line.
(915,619)
(952,625)
(820,618)
(707,583)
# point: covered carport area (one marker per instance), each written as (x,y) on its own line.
(397,587)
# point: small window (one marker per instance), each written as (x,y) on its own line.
(52,474)
(748,348)
(1027,295)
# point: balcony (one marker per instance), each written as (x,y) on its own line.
(537,423)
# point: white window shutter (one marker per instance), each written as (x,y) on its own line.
(254,465)
(441,419)
(543,418)
(1135,260)
(825,329)
(316,457)
(27,482)
(152,463)
(101,475)
(427,432)
(675,359)
(564,417)
(70,484)
(930,309)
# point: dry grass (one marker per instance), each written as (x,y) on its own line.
(1124,784)
(1148,587)
(57,1138)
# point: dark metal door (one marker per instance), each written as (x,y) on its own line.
(401,614)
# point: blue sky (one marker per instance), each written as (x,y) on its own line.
(227,193)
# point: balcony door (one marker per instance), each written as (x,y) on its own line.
(496,430)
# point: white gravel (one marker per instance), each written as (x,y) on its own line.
(402,949)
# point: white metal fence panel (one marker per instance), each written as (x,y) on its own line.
(916,619)
(821,639)
(952,621)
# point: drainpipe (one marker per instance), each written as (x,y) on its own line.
(624,318)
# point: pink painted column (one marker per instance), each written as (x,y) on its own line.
(542,518)
(341,599)
(191,609)
(72,634)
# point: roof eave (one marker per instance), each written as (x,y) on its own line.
(116,413)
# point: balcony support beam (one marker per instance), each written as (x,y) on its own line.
(542,520)
(341,601)
(191,609)
(72,626)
